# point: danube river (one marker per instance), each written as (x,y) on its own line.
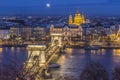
(72,62)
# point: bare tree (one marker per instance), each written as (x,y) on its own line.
(17,71)
(94,71)
(116,73)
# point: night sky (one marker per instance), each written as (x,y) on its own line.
(60,7)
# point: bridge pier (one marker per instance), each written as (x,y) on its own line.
(56,39)
(36,53)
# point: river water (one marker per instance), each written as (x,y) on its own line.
(72,63)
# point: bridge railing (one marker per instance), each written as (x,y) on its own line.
(44,66)
(49,59)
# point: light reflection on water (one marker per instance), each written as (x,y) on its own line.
(72,66)
(13,53)
(1,56)
(116,52)
(73,62)
(1,49)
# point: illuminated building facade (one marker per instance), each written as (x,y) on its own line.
(78,19)
(14,31)
(27,32)
(38,32)
(68,31)
(4,33)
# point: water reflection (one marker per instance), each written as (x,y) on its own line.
(1,49)
(116,52)
(72,63)
(1,56)
(12,49)
(13,53)
(80,57)
(61,59)
(88,56)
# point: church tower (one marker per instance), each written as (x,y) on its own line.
(83,19)
(77,18)
(70,20)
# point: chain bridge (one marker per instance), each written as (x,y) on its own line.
(39,56)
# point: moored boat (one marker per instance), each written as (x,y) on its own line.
(53,65)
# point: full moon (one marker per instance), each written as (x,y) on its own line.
(48,5)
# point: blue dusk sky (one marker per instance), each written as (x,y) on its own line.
(60,7)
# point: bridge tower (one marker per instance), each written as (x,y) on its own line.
(56,39)
(35,60)
(36,53)
(118,34)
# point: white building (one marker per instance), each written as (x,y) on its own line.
(4,34)
(68,31)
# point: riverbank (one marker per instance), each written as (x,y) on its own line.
(16,45)
(68,46)
(99,47)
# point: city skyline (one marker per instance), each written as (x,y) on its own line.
(60,8)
